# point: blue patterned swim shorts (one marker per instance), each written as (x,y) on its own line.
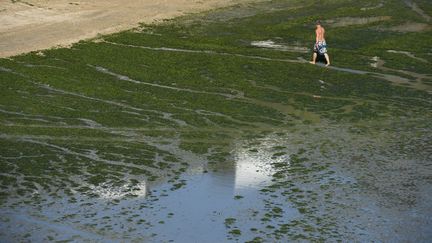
(320,47)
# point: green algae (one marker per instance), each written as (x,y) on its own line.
(235,232)
(229,222)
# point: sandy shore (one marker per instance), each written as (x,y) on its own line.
(40,24)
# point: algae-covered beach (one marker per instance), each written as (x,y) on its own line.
(214,127)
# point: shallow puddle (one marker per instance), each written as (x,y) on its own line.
(213,204)
(214,201)
(280,47)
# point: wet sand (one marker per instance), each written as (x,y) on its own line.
(41,24)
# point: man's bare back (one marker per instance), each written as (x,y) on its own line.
(320,31)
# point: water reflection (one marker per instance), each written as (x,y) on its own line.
(231,190)
(253,167)
(138,210)
(109,191)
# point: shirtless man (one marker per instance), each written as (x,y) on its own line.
(320,46)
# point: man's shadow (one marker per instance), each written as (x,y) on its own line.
(321,59)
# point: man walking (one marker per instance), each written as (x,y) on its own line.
(320,46)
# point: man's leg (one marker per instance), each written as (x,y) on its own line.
(327,59)
(314,57)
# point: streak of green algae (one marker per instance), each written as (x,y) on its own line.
(129,106)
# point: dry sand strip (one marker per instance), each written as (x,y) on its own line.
(30,25)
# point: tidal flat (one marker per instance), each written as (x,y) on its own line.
(213,127)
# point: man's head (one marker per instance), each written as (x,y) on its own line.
(318,23)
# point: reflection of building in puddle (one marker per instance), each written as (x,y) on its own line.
(251,170)
(230,189)
(254,168)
